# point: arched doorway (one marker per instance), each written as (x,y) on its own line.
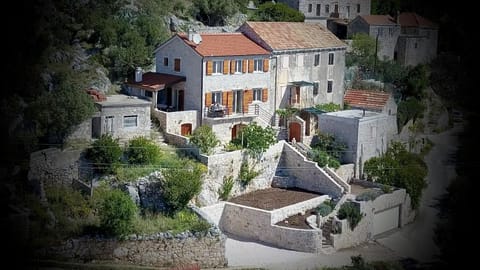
(295,131)
(186,129)
(236,130)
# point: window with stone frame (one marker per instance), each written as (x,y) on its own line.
(329,86)
(331,58)
(258,65)
(217,67)
(130,121)
(177,64)
(238,66)
(309,8)
(257,94)
(316,60)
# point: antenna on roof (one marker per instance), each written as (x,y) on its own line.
(196,38)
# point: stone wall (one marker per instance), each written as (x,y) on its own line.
(228,164)
(257,224)
(119,131)
(307,174)
(82,131)
(293,209)
(222,127)
(171,122)
(53,166)
(159,250)
(345,171)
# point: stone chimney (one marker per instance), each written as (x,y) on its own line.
(138,74)
(190,34)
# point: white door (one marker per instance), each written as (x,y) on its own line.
(109,125)
(386,220)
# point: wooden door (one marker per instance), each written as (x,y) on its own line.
(295,131)
(186,129)
(181,98)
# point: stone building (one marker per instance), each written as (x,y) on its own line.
(409,38)
(323,9)
(364,132)
(383,28)
(306,68)
(121,116)
(227,80)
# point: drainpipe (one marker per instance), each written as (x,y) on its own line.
(201,95)
(275,92)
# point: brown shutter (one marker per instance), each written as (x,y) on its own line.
(264,94)
(250,65)
(265,64)
(209,67)
(225,66)
(229,102)
(208,99)
(244,65)
(232,66)
(247,99)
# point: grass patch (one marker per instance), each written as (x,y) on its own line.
(185,220)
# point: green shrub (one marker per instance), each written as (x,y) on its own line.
(369,195)
(246,174)
(180,185)
(129,173)
(142,151)
(328,107)
(205,139)
(105,153)
(325,208)
(226,188)
(117,213)
(234,145)
(351,212)
(323,159)
(182,221)
(386,189)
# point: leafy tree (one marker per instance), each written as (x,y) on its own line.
(247,173)
(257,139)
(408,109)
(180,185)
(351,212)
(328,143)
(214,12)
(416,81)
(142,151)
(399,168)
(382,7)
(226,188)
(117,213)
(105,153)
(204,138)
(277,12)
(363,51)
(323,158)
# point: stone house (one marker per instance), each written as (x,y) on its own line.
(323,9)
(408,38)
(375,101)
(306,68)
(364,132)
(226,85)
(383,28)
(417,43)
(121,116)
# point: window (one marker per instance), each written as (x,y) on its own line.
(380,31)
(177,64)
(285,59)
(238,66)
(217,97)
(309,8)
(374,131)
(317,60)
(258,65)
(237,101)
(165,61)
(257,94)
(358,8)
(318,9)
(416,45)
(295,95)
(327,8)
(336,9)
(390,31)
(315,88)
(331,58)
(217,67)
(299,60)
(329,86)
(130,121)
(348,11)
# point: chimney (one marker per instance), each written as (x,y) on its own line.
(190,34)
(138,74)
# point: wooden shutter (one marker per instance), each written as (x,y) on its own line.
(209,68)
(208,99)
(264,94)
(247,99)
(250,65)
(244,65)
(266,63)
(232,66)
(227,99)
(225,66)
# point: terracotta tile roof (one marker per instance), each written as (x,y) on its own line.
(295,35)
(96,95)
(225,44)
(366,99)
(410,19)
(153,81)
(379,19)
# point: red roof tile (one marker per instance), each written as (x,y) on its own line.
(366,99)
(295,35)
(153,81)
(379,19)
(225,44)
(410,19)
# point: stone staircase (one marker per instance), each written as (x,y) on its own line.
(156,134)
(326,231)
(282,134)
